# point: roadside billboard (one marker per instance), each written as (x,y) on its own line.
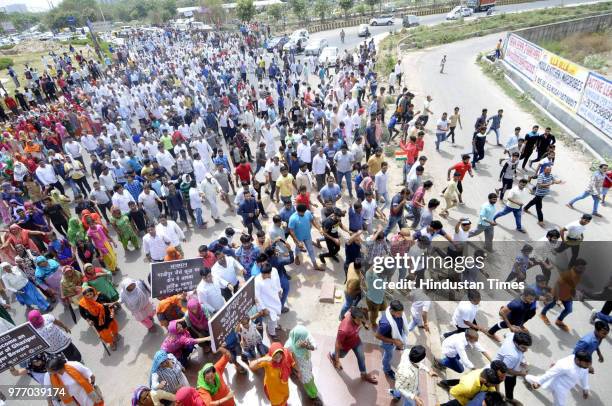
(596,103)
(523,56)
(561,79)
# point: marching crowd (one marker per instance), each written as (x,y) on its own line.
(175,131)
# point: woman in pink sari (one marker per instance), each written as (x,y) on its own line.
(103,244)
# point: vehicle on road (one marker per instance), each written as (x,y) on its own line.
(382,20)
(458,12)
(276,43)
(410,21)
(363,31)
(329,56)
(45,36)
(300,34)
(294,44)
(314,47)
(480,5)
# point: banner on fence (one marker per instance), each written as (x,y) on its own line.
(561,79)
(596,103)
(523,56)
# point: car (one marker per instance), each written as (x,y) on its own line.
(382,20)
(276,43)
(459,12)
(314,47)
(45,36)
(329,56)
(294,44)
(363,31)
(410,21)
(300,34)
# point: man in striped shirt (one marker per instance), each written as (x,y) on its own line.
(545,181)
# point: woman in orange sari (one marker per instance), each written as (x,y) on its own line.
(75,381)
(277,365)
(100,316)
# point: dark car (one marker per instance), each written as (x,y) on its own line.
(276,43)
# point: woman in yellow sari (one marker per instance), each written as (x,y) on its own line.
(277,365)
(103,244)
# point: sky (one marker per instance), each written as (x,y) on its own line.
(33,5)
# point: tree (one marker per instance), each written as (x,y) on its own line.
(346,5)
(322,8)
(245,10)
(299,8)
(275,11)
(81,10)
(215,14)
(371,4)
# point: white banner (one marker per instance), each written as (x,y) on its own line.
(523,56)
(596,103)
(561,79)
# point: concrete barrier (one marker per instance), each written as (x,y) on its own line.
(556,31)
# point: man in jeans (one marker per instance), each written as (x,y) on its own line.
(392,333)
(593,189)
(300,228)
(495,125)
(396,212)
(344,166)
(441,130)
(347,340)
(515,199)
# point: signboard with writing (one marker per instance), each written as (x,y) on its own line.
(242,304)
(20,344)
(174,277)
(561,79)
(522,55)
(596,103)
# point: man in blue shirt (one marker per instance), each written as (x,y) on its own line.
(286,212)
(223,245)
(486,222)
(300,227)
(331,191)
(391,332)
(355,217)
(495,124)
(590,343)
(249,211)
(396,211)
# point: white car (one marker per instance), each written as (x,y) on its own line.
(329,56)
(300,34)
(459,12)
(382,20)
(295,44)
(363,31)
(314,47)
(45,36)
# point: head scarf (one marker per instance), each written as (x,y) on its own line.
(137,393)
(212,389)
(136,299)
(36,319)
(188,396)
(93,307)
(285,364)
(42,272)
(158,359)
(172,254)
(173,337)
(298,333)
(76,231)
(197,316)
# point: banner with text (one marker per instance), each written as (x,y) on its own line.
(242,304)
(596,103)
(174,277)
(523,55)
(20,344)
(561,79)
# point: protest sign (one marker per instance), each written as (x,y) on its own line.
(20,344)
(174,277)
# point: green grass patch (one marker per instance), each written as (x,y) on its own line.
(7,46)
(6,62)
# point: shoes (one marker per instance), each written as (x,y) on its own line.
(322,258)
(545,319)
(390,374)
(593,316)
(562,326)
(285,310)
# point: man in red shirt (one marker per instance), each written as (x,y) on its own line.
(412,153)
(243,172)
(348,339)
(303,197)
(461,168)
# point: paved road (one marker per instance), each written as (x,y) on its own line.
(464,86)
(352,40)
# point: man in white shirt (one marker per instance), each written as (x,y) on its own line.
(273,172)
(211,188)
(572,235)
(561,378)
(512,353)
(319,167)
(515,200)
(209,291)
(154,245)
(304,152)
(226,270)
(75,150)
(172,232)
(464,316)
(122,199)
(268,292)
(195,202)
(47,176)
(381,185)
(441,130)
(453,350)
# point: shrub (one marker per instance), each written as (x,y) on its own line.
(5,62)
(7,46)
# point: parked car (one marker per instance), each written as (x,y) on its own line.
(382,20)
(329,56)
(45,36)
(363,31)
(459,12)
(410,21)
(294,44)
(300,34)
(276,43)
(314,47)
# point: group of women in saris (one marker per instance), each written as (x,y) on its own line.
(95,234)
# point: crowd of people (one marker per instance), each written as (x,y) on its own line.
(176,131)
